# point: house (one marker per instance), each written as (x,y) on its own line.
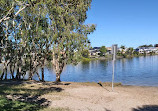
(156,52)
(109,50)
(94,52)
(122,50)
(156,45)
(96,48)
(140,50)
(146,50)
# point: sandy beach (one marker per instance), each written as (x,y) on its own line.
(74,96)
(100,97)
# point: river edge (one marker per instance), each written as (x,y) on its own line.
(108,84)
(109,57)
(85,96)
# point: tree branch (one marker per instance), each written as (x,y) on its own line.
(1,20)
(21,9)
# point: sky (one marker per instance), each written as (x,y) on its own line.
(124,22)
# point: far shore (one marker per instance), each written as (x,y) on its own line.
(88,96)
(109,57)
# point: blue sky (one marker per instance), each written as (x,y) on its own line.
(124,22)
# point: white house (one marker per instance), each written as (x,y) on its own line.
(147,50)
(94,52)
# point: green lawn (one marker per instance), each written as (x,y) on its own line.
(26,97)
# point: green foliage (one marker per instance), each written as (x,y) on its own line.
(135,53)
(43,30)
(146,46)
(129,51)
(85,59)
(122,47)
(103,50)
(85,53)
(152,53)
(10,105)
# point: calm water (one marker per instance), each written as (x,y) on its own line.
(142,71)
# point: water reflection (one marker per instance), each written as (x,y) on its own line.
(132,71)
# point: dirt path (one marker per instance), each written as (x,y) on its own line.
(93,97)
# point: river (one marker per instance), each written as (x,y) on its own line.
(140,71)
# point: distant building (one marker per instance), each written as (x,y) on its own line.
(156,45)
(122,50)
(109,50)
(147,50)
(94,52)
(96,48)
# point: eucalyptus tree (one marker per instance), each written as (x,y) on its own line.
(35,30)
(70,34)
(8,21)
(8,7)
(35,38)
(1,39)
(4,51)
(39,40)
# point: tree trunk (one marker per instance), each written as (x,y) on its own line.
(17,75)
(58,64)
(59,68)
(12,71)
(58,78)
(2,76)
(30,70)
(42,69)
(30,75)
(4,70)
(6,73)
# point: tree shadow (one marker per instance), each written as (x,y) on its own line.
(15,97)
(55,83)
(106,109)
(18,82)
(103,86)
(146,108)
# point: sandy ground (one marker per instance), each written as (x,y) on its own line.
(94,97)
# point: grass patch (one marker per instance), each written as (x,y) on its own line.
(96,84)
(83,59)
(110,84)
(25,97)
(15,105)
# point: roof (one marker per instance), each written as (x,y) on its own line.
(96,47)
(108,48)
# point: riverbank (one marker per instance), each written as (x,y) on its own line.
(73,96)
(109,57)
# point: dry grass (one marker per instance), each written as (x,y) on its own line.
(55,109)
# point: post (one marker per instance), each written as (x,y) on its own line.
(113,71)
(114,53)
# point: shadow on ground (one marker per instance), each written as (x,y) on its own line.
(103,87)
(15,97)
(146,108)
